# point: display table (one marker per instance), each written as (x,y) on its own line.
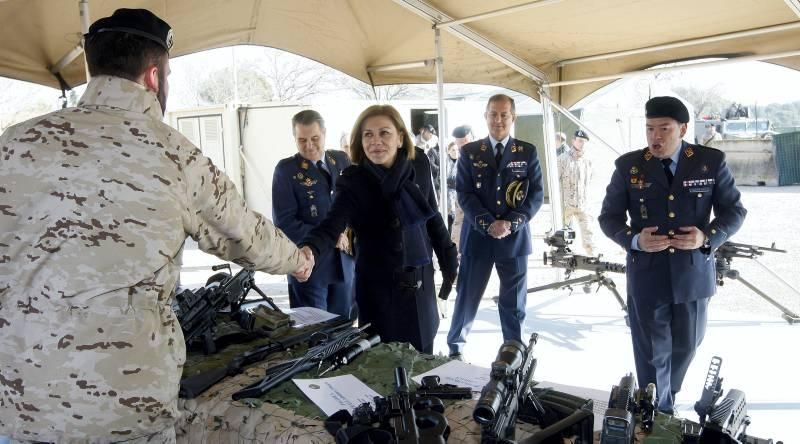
(286,415)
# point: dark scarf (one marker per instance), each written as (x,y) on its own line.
(397,186)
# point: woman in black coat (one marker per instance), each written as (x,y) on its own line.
(387,198)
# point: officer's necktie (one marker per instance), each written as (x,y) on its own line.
(667,170)
(498,153)
(325,173)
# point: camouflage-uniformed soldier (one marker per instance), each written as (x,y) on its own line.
(575,172)
(95,204)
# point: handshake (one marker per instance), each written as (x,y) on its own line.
(303,271)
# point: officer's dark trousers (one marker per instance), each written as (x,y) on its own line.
(335,298)
(473,276)
(665,337)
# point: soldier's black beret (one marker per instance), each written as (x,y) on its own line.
(462,131)
(582,134)
(666,106)
(139,22)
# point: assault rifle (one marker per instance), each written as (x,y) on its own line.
(722,421)
(197,310)
(314,357)
(625,404)
(561,256)
(725,254)
(193,386)
(508,390)
(400,417)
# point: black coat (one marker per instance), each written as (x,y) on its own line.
(399,303)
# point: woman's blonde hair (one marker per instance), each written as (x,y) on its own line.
(357,154)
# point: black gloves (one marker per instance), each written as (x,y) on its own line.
(449,265)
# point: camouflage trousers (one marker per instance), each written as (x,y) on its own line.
(585,222)
(166,436)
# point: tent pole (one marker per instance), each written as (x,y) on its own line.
(83,5)
(553,182)
(442,127)
(565,112)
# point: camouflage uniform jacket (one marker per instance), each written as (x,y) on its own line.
(95,204)
(576,175)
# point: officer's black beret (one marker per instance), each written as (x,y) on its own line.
(462,131)
(666,106)
(139,22)
(582,134)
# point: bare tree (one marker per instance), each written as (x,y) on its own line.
(292,77)
(706,101)
(252,86)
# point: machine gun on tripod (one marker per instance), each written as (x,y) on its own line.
(561,256)
(197,310)
(730,250)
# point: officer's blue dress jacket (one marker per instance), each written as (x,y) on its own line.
(481,186)
(639,190)
(301,200)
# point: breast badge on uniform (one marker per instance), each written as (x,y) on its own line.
(314,211)
(309,182)
(516,192)
(480,164)
(634,170)
(704,168)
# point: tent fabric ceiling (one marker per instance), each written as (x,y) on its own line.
(350,35)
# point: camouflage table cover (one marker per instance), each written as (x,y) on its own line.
(285,415)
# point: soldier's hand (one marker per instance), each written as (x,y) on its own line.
(500,229)
(303,272)
(651,242)
(691,238)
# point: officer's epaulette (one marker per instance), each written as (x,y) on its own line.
(706,148)
(632,156)
(284,161)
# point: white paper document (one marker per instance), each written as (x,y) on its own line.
(336,393)
(599,397)
(308,315)
(460,374)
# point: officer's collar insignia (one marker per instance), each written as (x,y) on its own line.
(480,164)
(648,155)
(634,170)
(483,147)
(331,160)
(304,165)
(704,169)
(515,148)
(689,151)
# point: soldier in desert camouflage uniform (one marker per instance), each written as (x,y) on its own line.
(575,171)
(95,205)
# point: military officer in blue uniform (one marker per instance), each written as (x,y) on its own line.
(658,208)
(499,186)
(302,193)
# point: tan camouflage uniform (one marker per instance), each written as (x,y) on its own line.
(576,176)
(95,204)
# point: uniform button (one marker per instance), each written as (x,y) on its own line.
(671,215)
(641,199)
(497,216)
(671,232)
(699,195)
(629,232)
(671,197)
(671,250)
(498,174)
(498,188)
(498,202)
(713,231)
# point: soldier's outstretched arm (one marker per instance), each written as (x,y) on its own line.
(729,213)
(326,235)
(217,217)
(475,213)
(614,213)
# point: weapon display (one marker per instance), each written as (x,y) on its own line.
(725,254)
(197,311)
(508,390)
(400,417)
(561,256)
(314,357)
(722,421)
(193,386)
(346,355)
(626,404)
